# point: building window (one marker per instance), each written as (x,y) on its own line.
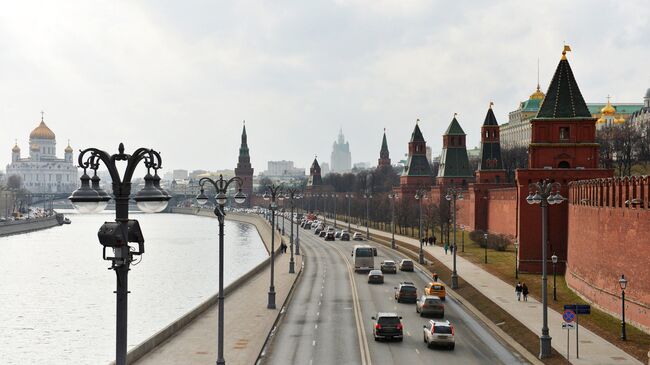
(564,133)
(564,165)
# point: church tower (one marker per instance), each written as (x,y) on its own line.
(244,169)
(490,167)
(384,156)
(454,163)
(417,172)
(15,152)
(315,180)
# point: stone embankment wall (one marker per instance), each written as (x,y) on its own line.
(609,235)
(27,225)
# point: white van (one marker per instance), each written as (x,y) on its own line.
(363,258)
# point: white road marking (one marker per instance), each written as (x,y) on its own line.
(313,343)
(417,351)
(319,303)
(317,314)
(316,326)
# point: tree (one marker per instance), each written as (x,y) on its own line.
(513,159)
(14,182)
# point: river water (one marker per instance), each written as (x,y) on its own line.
(56,294)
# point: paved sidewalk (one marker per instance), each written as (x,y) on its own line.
(247,321)
(594,350)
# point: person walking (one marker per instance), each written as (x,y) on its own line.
(446,248)
(524,291)
(435,276)
(434,240)
(431,240)
(518,290)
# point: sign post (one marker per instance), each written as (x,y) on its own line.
(578,309)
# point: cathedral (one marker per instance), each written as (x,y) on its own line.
(42,171)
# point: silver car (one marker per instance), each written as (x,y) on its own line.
(430,305)
(439,333)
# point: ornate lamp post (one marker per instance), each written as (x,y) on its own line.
(367,195)
(516,244)
(272,192)
(462,238)
(544,193)
(221,187)
(393,198)
(485,241)
(554,261)
(349,196)
(623,283)
(420,195)
(293,194)
(334,197)
(282,211)
(116,236)
(454,194)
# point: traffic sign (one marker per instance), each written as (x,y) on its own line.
(568,325)
(569,315)
(579,308)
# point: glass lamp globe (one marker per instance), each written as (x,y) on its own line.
(202,198)
(221,198)
(448,197)
(266,196)
(240,197)
(150,199)
(86,199)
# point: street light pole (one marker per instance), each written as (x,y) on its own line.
(516,259)
(462,239)
(272,192)
(554,261)
(334,196)
(349,196)
(420,195)
(221,186)
(115,236)
(544,193)
(393,197)
(485,239)
(292,194)
(623,283)
(367,195)
(454,194)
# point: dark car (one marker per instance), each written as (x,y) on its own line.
(307,225)
(406,265)
(375,277)
(337,234)
(329,236)
(317,231)
(387,326)
(406,292)
(322,233)
(388,266)
(345,236)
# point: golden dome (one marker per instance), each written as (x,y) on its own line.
(68,149)
(16,148)
(601,121)
(608,109)
(620,120)
(538,94)
(42,132)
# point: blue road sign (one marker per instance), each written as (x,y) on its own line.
(578,308)
(569,315)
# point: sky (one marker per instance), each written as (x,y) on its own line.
(181,76)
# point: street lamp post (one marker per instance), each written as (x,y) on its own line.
(334,197)
(454,194)
(554,261)
(516,244)
(221,186)
(623,283)
(485,241)
(116,236)
(291,195)
(272,192)
(393,197)
(324,196)
(349,196)
(544,193)
(462,238)
(367,195)
(282,211)
(420,195)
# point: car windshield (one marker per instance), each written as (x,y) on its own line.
(432,301)
(375,272)
(388,321)
(407,262)
(437,287)
(443,329)
(389,263)
(364,252)
(408,288)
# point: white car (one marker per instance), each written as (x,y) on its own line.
(439,333)
(357,236)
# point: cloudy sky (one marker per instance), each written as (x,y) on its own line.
(180,76)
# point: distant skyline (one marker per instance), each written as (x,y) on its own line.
(181,77)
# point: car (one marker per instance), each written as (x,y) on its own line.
(357,236)
(436,288)
(338,234)
(307,225)
(406,292)
(430,305)
(329,236)
(439,333)
(345,236)
(322,233)
(387,326)
(388,266)
(406,265)
(317,231)
(375,277)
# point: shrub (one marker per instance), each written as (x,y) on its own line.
(498,242)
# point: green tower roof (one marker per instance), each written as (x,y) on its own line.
(563,98)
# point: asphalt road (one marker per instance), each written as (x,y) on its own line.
(320,325)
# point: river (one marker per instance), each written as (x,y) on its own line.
(58,305)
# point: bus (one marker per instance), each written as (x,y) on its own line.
(363,258)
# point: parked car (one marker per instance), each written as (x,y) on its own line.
(337,234)
(406,292)
(436,288)
(430,305)
(387,326)
(375,277)
(357,236)
(317,231)
(388,266)
(329,236)
(345,236)
(406,265)
(307,225)
(322,233)
(439,333)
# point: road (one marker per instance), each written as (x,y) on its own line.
(319,326)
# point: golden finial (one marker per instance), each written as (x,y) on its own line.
(417,121)
(455,115)
(566,49)
(491,103)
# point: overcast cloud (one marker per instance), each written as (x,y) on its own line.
(180,76)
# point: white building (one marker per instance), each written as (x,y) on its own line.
(283,169)
(42,171)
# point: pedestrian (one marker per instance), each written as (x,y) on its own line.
(431,240)
(446,248)
(524,291)
(283,248)
(434,240)
(518,290)
(435,276)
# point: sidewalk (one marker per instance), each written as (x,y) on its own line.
(247,320)
(594,350)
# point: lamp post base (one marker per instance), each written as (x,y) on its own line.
(454,281)
(544,346)
(292,269)
(221,362)
(392,243)
(421,257)
(271,304)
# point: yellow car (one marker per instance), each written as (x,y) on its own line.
(435,288)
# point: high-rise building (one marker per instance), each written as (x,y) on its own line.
(42,171)
(341,158)
(244,169)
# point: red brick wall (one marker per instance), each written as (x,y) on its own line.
(502,211)
(606,238)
